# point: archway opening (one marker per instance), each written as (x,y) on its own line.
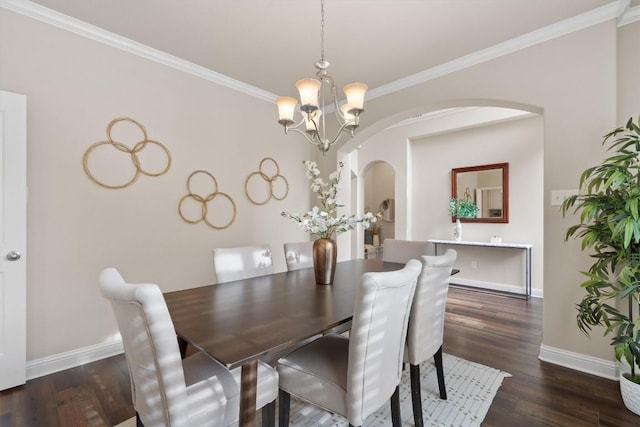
(379,198)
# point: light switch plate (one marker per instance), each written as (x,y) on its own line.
(558,196)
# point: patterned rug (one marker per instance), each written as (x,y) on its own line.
(471,388)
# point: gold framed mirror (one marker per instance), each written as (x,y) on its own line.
(485,185)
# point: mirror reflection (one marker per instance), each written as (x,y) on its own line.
(485,185)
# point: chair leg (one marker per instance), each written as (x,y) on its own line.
(437,359)
(284,399)
(416,396)
(182,345)
(396,420)
(269,415)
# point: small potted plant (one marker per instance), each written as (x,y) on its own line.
(610,229)
(461,208)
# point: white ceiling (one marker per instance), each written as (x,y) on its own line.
(270,44)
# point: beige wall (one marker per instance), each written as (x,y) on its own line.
(571,81)
(75,87)
(452,140)
(517,142)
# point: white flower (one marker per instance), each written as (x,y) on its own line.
(322,220)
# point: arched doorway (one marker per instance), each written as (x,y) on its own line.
(423,150)
(379,198)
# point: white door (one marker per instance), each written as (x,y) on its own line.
(13,239)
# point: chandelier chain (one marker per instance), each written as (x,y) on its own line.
(322,30)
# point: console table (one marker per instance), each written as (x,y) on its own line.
(525,246)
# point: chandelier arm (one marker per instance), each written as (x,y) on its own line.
(303,133)
(296,126)
(324,144)
(342,129)
(340,118)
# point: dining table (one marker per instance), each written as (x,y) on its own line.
(240,322)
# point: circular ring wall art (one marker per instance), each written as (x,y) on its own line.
(203,213)
(269,182)
(133,154)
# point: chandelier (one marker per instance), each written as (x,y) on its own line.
(312,104)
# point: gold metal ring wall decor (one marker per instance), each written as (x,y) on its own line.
(269,180)
(133,152)
(205,201)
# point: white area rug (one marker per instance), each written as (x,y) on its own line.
(471,388)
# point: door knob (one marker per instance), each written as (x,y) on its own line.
(13,256)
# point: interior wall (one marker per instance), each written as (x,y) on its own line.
(74,88)
(571,80)
(517,141)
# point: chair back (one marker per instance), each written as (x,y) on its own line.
(403,250)
(298,255)
(151,350)
(426,323)
(377,338)
(242,262)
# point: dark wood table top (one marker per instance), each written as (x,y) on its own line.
(241,321)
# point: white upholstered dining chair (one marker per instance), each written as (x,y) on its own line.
(298,255)
(426,324)
(355,376)
(401,251)
(166,390)
(242,262)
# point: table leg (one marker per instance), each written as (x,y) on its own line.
(248,386)
(528,272)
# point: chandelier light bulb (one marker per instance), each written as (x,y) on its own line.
(355,96)
(286,109)
(308,89)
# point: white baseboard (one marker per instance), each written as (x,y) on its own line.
(500,287)
(580,362)
(71,359)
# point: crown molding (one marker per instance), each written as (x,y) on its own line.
(629,16)
(616,10)
(550,32)
(81,28)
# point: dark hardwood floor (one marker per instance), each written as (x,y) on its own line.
(493,329)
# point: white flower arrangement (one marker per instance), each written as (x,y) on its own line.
(322,220)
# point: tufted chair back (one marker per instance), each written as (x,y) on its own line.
(242,262)
(426,324)
(355,376)
(298,255)
(151,350)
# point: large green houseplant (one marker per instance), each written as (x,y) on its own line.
(609,228)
